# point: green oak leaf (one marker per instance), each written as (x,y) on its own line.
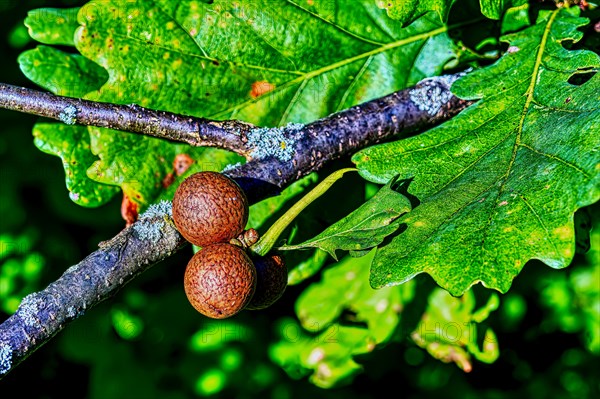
(319,215)
(572,300)
(264,62)
(328,358)
(499,183)
(495,9)
(515,18)
(364,228)
(306,268)
(72,145)
(53,25)
(141,176)
(74,75)
(407,11)
(64,74)
(448,329)
(69,75)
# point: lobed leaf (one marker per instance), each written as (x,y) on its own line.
(366,227)
(495,9)
(499,184)
(306,268)
(53,25)
(264,62)
(72,145)
(69,75)
(323,346)
(321,304)
(327,359)
(64,74)
(407,11)
(515,18)
(572,301)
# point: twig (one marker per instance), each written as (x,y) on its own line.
(230,135)
(280,156)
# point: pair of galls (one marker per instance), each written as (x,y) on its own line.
(211,210)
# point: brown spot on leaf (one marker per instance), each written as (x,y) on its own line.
(261,87)
(168,180)
(182,163)
(129,210)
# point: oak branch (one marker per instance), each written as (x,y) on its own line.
(276,157)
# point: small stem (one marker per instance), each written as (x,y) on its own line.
(267,241)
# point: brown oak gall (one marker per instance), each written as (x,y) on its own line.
(272,277)
(220,280)
(209,207)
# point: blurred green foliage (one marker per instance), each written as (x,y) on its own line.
(449,327)
(572,301)
(21,269)
(336,326)
(320,340)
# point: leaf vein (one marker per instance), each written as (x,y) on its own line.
(207,58)
(530,90)
(558,159)
(293,101)
(540,222)
(427,237)
(338,27)
(355,80)
(339,64)
(176,22)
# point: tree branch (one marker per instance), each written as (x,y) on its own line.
(279,157)
(230,135)
(283,155)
